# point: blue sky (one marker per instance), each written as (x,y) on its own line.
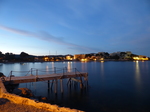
(42,27)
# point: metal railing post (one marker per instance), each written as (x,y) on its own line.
(75,70)
(55,70)
(36,72)
(10,75)
(31,71)
(63,71)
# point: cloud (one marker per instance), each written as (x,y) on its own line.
(49,38)
(17,31)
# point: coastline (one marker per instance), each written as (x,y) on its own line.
(9,102)
(8,106)
(105,60)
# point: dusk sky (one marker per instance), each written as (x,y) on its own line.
(43,27)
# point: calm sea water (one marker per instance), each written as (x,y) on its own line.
(121,86)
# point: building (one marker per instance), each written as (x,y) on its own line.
(79,56)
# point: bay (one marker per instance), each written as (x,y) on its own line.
(114,86)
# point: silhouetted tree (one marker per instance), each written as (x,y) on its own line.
(9,56)
(106,55)
(1,56)
(23,54)
(88,55)
(116,57)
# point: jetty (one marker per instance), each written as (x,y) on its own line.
(51,75)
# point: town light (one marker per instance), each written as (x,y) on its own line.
(83,59)
(140,58)
(102,59)
(46,58)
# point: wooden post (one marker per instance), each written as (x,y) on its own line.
(61,85)
(86,80)
(68,81)
(48,84)
(87,83)
(55,86)
(81,83)
(52,84)
(36,78)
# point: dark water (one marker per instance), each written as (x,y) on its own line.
(121,86)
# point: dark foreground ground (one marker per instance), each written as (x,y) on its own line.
(8,106)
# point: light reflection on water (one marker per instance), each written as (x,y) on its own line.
(84,66)
(102,68)
(69,66)
(114,86)
(138,83)
(137,71)
(53,65)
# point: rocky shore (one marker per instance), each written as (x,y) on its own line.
(8,106)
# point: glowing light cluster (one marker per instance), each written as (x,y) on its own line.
(83,59)
(68,57)
(46,58)
(102,59)
(140,58)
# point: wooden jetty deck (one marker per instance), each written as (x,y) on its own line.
(34,75)
(35,78)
